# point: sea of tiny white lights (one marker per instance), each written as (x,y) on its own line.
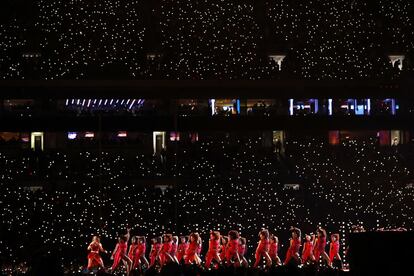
(206,39)
(221,184)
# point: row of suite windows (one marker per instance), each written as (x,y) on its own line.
(207,107)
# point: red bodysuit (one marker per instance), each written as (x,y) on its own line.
(262,248)
(200,245)
(182,248)
(93,257)
(242,250)
(273,248)
(141,250)
(165,250)
(173,251)
(319,247)
(333,250)
(232,250)
(132,251)
(139,253)
(191,252)
(223,249)
(307,251)
(213,251)
(155,251)
(293,250)
(119,254)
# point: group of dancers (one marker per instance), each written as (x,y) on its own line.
(227,250)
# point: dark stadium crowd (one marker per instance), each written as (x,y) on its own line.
(53,202)
(220,39)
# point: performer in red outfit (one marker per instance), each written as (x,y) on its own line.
(182,248)
(200,245)
(273,248)
(307,253)
(293,251)
(213,249)
(224,241)
(174,249)
(94,259)
(139,257)
(232,251)
(132,249)
(334,250)
(191,255)
(155,250)
(262,250)
(165,251)
(242,252)
(120,253)
(319,247)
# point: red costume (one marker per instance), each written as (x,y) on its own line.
(223,252)
(213,251)
(232,249)
(262,248)
(307,251)
(94,259)
(182,248)
(132,250)
(155,251)
(242,250)
(139,253)
(165,250)
(293,249)
(120,252)
(141,250)
(199,247)
(319,247)
(191,252)
(173,251)
(273,248)
(333,250)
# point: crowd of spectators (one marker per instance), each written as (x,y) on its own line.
(54,202)
(204,39)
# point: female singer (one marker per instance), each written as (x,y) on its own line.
(293,251)
(273,248)
(94,259)
(263,249)
(213,249)
(120,253)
